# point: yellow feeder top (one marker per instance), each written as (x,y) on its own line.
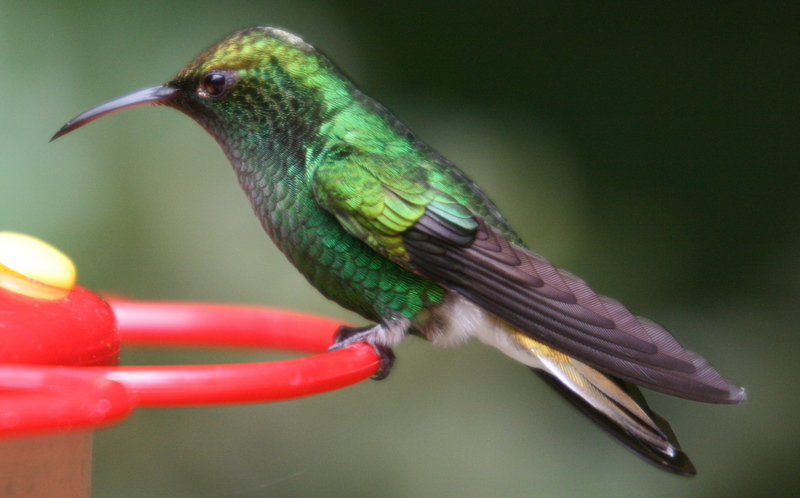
(36,260)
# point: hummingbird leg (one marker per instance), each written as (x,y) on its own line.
(374,335)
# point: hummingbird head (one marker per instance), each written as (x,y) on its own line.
(256,84)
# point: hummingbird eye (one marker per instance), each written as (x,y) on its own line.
(215,85)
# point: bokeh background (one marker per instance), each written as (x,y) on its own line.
(652,150)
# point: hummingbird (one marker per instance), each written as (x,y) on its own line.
(384,225)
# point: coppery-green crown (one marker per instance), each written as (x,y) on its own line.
(268,58)
(255,48)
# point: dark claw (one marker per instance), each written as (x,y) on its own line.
(346,336)
(387,360)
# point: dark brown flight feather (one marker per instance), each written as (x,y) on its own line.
(559,309)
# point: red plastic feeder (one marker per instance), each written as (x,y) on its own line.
(59,345)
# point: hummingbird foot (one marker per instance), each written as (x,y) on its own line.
(387,361)
(346,336)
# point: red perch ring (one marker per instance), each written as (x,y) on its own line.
(42,398)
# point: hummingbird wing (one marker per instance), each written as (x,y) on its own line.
(376,204)
(394,206)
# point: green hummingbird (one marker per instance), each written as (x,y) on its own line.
(385,226)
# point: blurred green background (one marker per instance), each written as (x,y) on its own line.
(651,150)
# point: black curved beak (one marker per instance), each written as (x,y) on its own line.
(149,96)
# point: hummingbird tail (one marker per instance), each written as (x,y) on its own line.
(616,406)
(641,430)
